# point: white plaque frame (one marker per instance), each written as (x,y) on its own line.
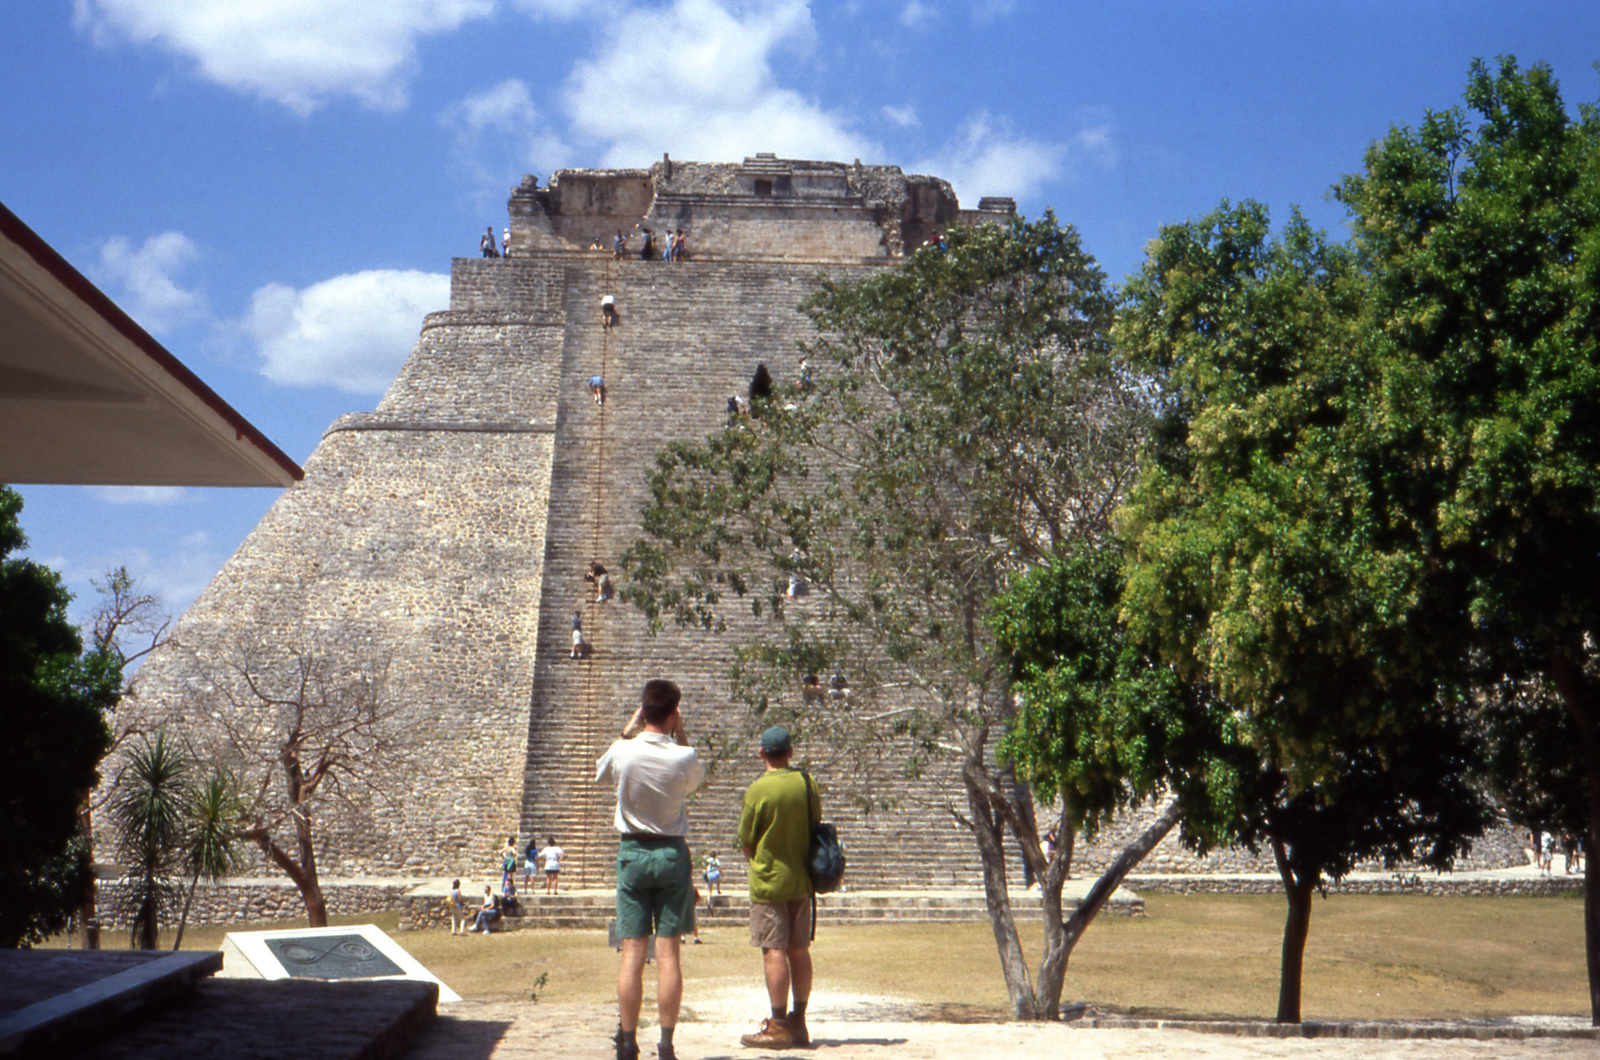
(245,955)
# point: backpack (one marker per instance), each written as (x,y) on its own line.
(825,856)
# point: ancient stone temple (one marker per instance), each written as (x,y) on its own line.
(449,530)
(453,525)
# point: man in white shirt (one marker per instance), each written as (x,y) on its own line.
(653,772)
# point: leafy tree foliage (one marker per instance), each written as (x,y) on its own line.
(148,813)
(1482,237)
(1263,560)
(959,421)
(53,701)
(216,813)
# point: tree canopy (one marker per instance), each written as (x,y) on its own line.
(958,420)
(1481,231)
(53,731)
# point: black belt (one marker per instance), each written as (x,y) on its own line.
(652,837)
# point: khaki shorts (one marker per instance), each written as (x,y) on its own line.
(781,925)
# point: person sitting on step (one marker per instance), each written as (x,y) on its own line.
(488,913)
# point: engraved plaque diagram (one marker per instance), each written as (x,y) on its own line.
(331,957)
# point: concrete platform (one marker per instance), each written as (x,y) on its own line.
(118,1005)
(52,1001)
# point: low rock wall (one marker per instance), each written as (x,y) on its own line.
(1433,886)
(246,901)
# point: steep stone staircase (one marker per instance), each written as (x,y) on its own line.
(688,336)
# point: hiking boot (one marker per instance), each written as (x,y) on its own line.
(775,1033)
(666,1052)
(625,1050)
(797,1028)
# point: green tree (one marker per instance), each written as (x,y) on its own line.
(216,813)
(149,814)
(1263,560)
(53,703)
(1481,230)
(960,421)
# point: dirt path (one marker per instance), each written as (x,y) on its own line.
(481,1031)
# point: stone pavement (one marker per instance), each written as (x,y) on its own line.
(503,1031)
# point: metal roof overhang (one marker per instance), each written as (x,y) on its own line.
(87,397)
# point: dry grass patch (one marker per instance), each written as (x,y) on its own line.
(1369,957)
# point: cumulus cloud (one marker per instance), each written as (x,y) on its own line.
(718,100)
(989,10)
(506,114)
(917,15)
(143,278)
(156,496)
(560,9)
(295,52)
(905,117)
(352,332)
(987,157)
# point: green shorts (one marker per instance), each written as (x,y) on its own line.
(654,895)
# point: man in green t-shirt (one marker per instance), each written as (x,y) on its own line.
(775,833)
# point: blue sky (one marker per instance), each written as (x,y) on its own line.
(275,188)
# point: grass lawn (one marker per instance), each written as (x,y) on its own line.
(1201,955)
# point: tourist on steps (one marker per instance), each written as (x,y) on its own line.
(597,389)
(488,913)
(487,245)
(653,774)
(552,855)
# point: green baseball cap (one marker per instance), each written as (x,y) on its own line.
(775,741)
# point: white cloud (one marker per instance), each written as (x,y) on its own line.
(718,99)
(989,10)
(157,496)
(917,15)
(986,157)
(561,9)
(352,332)
(905,117)
(294,52)
(506,115)
(145,278)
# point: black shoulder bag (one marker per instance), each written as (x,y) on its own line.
(824,856)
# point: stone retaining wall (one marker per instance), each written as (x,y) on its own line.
(1431,886)
(248,901)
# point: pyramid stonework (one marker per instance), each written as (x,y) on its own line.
(452,525)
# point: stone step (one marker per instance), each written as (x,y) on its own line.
(592,910)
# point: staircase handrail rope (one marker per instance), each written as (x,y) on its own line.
(589,827)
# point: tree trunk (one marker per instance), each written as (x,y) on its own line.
(1295,929)
(310,890)
(1061,939)
(88,913)
(147,918)
(987,830)
(1575,693)
(183,918)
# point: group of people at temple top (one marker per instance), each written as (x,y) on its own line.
(654,769)
(673,246)
(487,246)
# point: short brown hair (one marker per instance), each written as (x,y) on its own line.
(659,700)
